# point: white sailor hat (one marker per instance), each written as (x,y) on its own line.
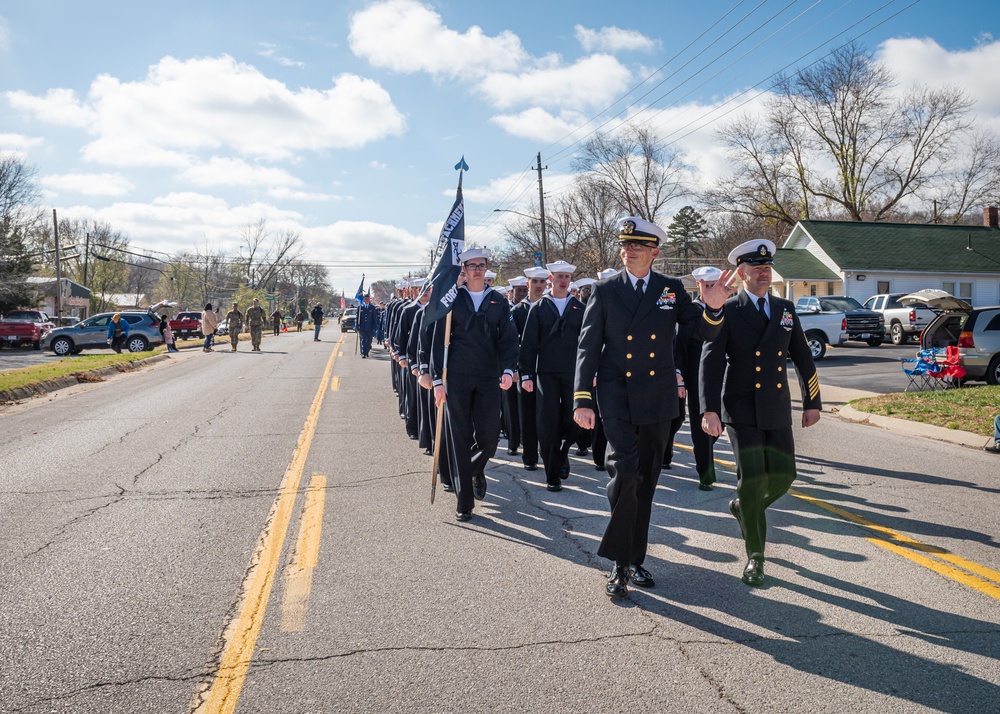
(490,274)
(641,230)
(607,273)
(417,282)
(501,289)
(560,266)
(401,285)
(518,282)
(754,252)
(585,282)
(536,273)
(708,273)
(573,285)
(473,253)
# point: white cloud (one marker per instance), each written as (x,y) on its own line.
(378,165)
(220,171)
(214,103)
(592,81)
(407,36)
(18,144)
(270,50)
(613,39)
(89,184)
(539,125)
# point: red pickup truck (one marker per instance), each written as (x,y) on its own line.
(21,326)
(186,325)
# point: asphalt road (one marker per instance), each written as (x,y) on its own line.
(168,547)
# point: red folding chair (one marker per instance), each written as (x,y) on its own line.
(952,371)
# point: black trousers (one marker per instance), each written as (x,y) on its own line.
(425,427)
(765,469)
(634,467)
(512,415)
(445,457)
(529,426)
(365,338)
(411,408)
(704,445)
(556,429)
(473,421)
(600,444)
(675,426)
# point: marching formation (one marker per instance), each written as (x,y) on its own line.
(611,365)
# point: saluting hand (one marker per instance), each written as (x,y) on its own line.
(716,295)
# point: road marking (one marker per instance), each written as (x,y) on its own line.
(335,384)
(298,576)
(340,354)
(240,636)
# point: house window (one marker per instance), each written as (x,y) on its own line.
(883,287)
(829,289)
(812,289)
(965,292)
(948,288)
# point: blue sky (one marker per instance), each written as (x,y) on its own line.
(179,122)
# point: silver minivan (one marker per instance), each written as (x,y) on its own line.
(974,330)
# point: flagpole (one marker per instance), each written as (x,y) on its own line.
(440,411)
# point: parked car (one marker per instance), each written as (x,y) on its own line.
(349,320)
(821,329)
(186,325)
(974,330)
(901,321)
(861,325)
(21,327)
(144,334)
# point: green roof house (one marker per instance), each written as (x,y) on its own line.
(864,259)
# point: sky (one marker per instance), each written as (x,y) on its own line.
(179,123)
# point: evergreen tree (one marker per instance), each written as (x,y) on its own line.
(686,233)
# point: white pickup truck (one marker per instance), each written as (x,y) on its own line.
(823,328)
(901,322)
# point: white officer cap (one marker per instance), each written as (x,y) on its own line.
(473,253)
(639,229)
(536,273)
(708,273)
(759,251)
(607,273)
(490,274)
(560,266)
(585,282)
(518,282)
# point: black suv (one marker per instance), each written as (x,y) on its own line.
(863,325)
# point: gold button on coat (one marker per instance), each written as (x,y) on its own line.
(757,353)
(757,385)
(628,356)
(628,374)
(652,355)
(757,368)
(652,337)
(779,353)
(779,385)
(629,338)
(780,368)
(652,372)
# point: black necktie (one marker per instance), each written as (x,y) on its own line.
(638,286)
(761,302)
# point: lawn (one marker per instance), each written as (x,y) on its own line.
(969,409)
(67,365)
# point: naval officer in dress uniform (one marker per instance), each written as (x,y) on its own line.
(627,340)
(744,385)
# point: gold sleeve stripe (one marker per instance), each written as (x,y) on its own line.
(581,395)
(709,320)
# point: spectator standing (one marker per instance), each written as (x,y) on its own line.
(317,318)
(994,448)
(276,318)
(168,335)
(209,324)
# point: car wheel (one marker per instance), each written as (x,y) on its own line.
(898,336)
(137,344)
(62,346)
(817,345)
(993,371)
(874,341)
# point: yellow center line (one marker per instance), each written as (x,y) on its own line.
(298,576)
(240,636)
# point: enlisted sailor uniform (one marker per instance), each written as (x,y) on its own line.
(548,357)
(400,341)
(627,340)
(526,406)
(744,379)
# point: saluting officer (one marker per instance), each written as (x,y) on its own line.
(628,342)
(482,356)
(547,359)
(538,280)
(744,379)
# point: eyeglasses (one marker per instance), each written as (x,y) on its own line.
(475,266)
(633,244)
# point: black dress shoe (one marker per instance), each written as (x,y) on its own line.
(463,516)
(617,586)
(564,472)
(478,487)
(640,576)
(530,467)
(734,508)
(447,488)
(553,487)
(582,452)
(600,467)
(428,452)
(704,487)
(753,574)
(512,452)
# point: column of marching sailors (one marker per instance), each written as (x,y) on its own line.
(538,361)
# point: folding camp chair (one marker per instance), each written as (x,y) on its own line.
(922,370)
(952,370)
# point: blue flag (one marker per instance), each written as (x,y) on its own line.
(360,294)
(450,245)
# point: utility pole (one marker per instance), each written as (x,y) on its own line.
(541,212)
(55,227)
(86,258)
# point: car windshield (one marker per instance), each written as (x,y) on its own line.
(841,304)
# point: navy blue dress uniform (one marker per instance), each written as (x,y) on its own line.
(745,379)
(366,322)
(400,341)
(527,406)
(547,359)
(511,398)
(628,341)
(483,346)
(422,397)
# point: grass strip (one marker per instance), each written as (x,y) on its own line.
(970,408)
(26,376)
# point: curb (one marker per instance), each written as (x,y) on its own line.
(914,428)
(93,375)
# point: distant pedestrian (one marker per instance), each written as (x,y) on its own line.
(317,318)
(117,332)
(167,334)
(209,324)
(234,324)
(299,319)
(994,448)
(276,318)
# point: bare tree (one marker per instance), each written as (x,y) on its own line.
(972,180)
(18,214)
(833,143)
(263,253)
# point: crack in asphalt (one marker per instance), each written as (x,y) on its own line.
(117,498)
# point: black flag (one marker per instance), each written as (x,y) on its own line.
(450,245)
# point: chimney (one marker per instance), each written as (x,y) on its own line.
(991,219)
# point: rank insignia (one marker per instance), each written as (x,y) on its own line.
(667,299)
(787,321)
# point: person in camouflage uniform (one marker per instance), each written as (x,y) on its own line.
(255,318)
(234,323)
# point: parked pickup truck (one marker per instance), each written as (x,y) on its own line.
(901,321)
(23,326)
(185,325)
(823,328)
(863,325)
